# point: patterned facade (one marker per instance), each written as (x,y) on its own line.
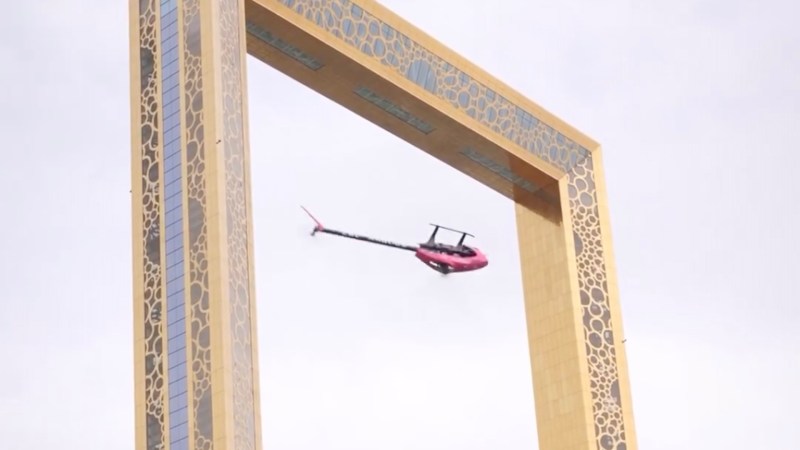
(358,26)
(150,219)
(598,330)
(196,194)
(348,22)
(181,302)
(236,187)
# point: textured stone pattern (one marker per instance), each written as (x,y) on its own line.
(151,238)
(200,332)
(232,58)
(349,23)
(597,327)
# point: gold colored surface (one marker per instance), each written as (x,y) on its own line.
(137,255)
(147,218)
(613,296)
(476,124)
(558,357)
(221,374)
(346,69)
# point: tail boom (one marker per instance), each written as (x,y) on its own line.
(319,228)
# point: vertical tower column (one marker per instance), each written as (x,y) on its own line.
(194,303)
(580,377)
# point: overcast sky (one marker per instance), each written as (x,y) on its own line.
(696,104)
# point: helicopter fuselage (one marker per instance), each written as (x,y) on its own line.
(449,259)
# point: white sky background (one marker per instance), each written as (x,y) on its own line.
(696,103)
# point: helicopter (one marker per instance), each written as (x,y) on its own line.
(443,258)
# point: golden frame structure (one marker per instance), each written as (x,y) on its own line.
(195,346)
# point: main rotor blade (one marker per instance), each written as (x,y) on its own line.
(449,229)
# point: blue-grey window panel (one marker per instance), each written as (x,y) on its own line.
(176,321)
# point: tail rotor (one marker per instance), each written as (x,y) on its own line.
(317,225)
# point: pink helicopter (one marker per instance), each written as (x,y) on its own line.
(442,258)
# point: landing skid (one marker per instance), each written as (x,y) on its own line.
(444,269)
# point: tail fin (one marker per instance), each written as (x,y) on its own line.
(318,226)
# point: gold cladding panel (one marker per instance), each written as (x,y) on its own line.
(344,70)
(381,42)
(581,388)
(196,228)
(363,43)
(148,221)
(232,60)
(596,304)
(557,357)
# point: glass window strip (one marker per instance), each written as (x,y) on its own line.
(172,165)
